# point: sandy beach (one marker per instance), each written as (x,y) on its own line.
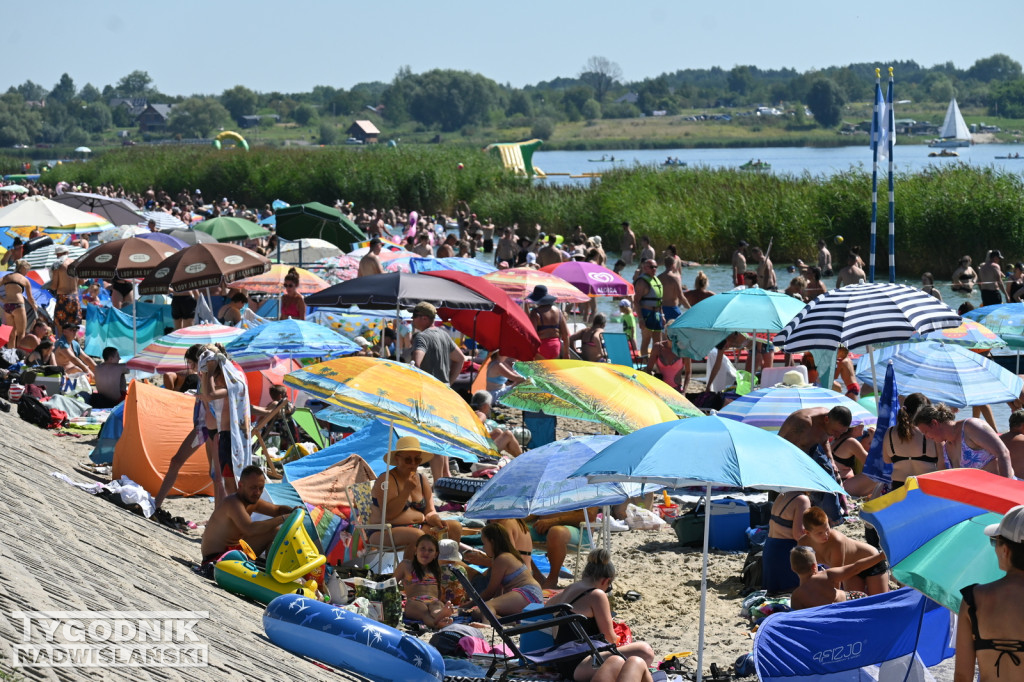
(67,550)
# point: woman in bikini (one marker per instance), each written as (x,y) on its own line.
(847,450)
(293,306)
(988,609)
(17,290)
(410,501)
(674,370)
(589,598)
(510,587)
(550,325)
(784,528)
(906,448)
(965,277)
(591,340)
(969,444)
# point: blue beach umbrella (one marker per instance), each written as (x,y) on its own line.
(470,266)
(767,408)
(536,483)
(703,326)
(291,339)
(1005,319)
(945,373)
(711,452)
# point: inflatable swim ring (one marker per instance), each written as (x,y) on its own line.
(349,641)
(242,576)
(238,140)
(457,489)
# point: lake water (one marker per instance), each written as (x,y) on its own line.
(784,160)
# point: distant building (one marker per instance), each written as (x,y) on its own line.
(253,121)
(153,118)
(364,131)
(628,98)
(134,105)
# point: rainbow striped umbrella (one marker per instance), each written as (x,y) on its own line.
(932,529)
(399,393)
(167,353)
(970,334)
(518,283)
(272,281)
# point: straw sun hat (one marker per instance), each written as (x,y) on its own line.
(408,444)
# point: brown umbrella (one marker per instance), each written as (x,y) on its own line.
(131,258)
(203,265)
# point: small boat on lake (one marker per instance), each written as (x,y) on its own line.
(758,165)
(1012,157)
(954,131)
(944,153)
(673,162)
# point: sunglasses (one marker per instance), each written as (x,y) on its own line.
(993,541)
(289,285)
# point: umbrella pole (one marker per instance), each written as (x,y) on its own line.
(384,504)
(606,528)
(704,583)
(135,319)
(874,376)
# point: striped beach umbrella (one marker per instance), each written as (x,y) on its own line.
(40,259)
(945,373)
(167,353)
(518,283)
(767,408)
(164,221)
(865,314)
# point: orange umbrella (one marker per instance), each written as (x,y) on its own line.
(272,281)
(261,380)
(518,283)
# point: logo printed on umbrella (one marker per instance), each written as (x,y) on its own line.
(104,258)
(603,277)
(162,272)
(233,260)
(138,258)
(195,268)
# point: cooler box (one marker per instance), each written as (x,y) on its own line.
(729,522)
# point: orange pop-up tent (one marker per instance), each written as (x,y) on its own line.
(155,422)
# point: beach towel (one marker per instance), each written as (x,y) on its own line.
(237,402)
(130,491)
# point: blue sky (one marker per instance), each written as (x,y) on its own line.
(190,46)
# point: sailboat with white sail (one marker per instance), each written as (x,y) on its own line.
(954,131)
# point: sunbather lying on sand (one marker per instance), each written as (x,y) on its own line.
(819,587)
(232,519)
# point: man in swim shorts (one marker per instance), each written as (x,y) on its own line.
(818,586)
(557,532)
(832,548)
(647,295)
(65,288)
(232,522)
(672,299)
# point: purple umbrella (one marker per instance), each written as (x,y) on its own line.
(164,238)
(591,278)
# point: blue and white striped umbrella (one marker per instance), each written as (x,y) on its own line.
(290,339)
(865,314)
(767,408)
(945,373)
(537,482)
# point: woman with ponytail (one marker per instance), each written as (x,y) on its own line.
(906,448)
(968,444)
(293,306)
(589,598)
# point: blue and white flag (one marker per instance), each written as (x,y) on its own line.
(880,125)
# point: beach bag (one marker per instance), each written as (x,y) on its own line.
(752,570)
(34,412)
(447,639)
(385,599)
(638,518)
(14,392)
(689,527)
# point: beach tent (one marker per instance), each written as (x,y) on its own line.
(147,444)
(103,453)
(874,638)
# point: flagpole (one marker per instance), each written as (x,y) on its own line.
(875,135)
(891,127)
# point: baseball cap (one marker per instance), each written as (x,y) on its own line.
(1011,527)
(360,341)
(531,257)
(624,303)
(60,248)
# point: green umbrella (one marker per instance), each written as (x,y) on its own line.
(228,229)
(318,221)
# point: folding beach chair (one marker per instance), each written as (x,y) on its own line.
(359,496)
(619,352)
(508,627)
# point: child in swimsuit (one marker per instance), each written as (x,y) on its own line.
(820,587)
(511,586)
(421,579)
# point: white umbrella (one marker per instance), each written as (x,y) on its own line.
(306,250)
(83,150)
(164,221)
(42,212)
(14,189)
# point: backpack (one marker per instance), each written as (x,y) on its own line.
(34,412)
(752,571)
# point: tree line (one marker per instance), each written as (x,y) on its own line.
(448,100)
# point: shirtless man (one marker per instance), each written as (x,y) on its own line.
(628,243)
(846,371)
(446,249)
(852,273)
(549,254)
(765,271)
(672,299)
(65,287)
(832,548)
(990,279)
(647,251)
(231,521)
(370,263)
(507,249)
(739,263)
(1014,440)
(818,587)
(810,429)
(824,259)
